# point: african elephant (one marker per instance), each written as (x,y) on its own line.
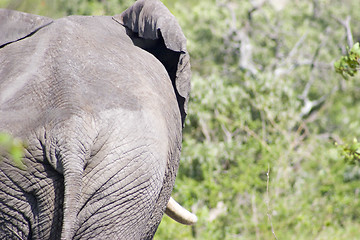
(99,103)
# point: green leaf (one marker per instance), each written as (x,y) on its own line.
(349,65)
(12,148)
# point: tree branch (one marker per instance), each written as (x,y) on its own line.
(268,201)
(346,24)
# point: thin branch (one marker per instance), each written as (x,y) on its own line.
(346,24)
(205,130)
(254,218)
(301,133)
(297,45)
(227,133)
(280,69)
(268,201)
(312,66)
(253,134)
(326,104)
(316,9)
(309,105)
(263,126)
(238,39)
(254,8)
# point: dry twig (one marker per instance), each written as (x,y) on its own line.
(268,201)
(346,24)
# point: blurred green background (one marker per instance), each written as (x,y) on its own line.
(259,158)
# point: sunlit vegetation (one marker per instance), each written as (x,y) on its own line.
(12,148)
(267,114)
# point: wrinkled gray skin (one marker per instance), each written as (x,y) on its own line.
(101,119)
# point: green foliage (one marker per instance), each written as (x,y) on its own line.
(61,8)
(351,152)
(12,148)
(349,64)
(265,93)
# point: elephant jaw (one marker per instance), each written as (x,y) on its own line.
(179,214)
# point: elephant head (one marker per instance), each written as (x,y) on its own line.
(100,103)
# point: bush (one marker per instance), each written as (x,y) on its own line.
(265,96)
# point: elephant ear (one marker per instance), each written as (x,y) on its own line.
(152,27)
(16,25)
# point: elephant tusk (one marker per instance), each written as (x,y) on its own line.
(179,213)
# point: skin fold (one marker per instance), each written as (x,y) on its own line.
(99,103)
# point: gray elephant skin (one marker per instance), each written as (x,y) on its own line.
(99,103)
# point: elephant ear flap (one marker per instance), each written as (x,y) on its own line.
(160,34)
(16,25)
